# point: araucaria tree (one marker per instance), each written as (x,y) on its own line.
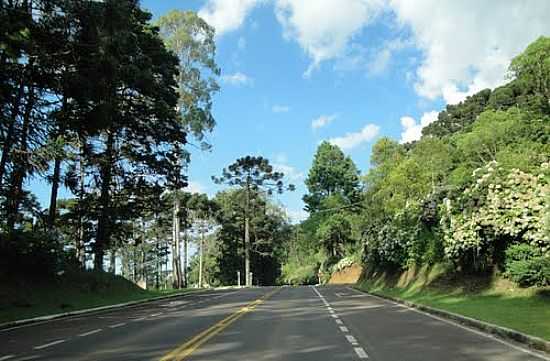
(252,175)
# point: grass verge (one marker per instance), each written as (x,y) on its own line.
(490,299)
(22,299)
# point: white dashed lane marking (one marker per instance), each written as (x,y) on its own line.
(53,343)
(116,325)
(28,358)
(360,352)
(352,340)
(90,332)
(7,357)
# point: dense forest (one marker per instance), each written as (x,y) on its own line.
(473,193)
(99,100)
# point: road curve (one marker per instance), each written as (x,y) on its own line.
(288,323)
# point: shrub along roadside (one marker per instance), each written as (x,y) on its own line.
(490,299)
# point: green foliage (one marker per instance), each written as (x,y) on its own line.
(475,183)
(527,265)
(192,40)
(303,273)
(334,234)
(332,174)
(269,231)
(32,254)
(533,67)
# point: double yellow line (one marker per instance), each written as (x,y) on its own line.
(190,346)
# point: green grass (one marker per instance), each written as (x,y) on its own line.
(487,299)
(21,299)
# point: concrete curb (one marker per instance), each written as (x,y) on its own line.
(532,342)
(20,323)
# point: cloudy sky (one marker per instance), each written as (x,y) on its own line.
(296,72)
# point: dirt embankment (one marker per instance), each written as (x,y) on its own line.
(348,275)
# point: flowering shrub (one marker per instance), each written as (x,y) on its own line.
(498,209)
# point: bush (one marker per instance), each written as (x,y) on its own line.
(526,266)
(32,254)
(299,275)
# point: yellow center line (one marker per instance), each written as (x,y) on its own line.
(187,348)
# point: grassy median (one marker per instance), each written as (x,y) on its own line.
(27,298)
(491,299)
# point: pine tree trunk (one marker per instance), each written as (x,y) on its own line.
(184,256)
(176,243)
(10,134)
(248,281)
(54,191)
(247,252)
(201,245)
(112,261)
(56,173)
(80,244)
(19,172)
(103,224)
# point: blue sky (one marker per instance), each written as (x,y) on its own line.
(295,73)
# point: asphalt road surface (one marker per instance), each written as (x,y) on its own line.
(287,323)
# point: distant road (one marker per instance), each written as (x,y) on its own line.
(301,324)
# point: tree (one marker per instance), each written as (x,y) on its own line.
(331,173)
(252,174)
(269,233)
(334,234)
(533,67)
(192,40)
(204,211)
(136,102)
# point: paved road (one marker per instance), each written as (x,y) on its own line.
(303,323)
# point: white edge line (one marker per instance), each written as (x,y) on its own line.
(515,347)
(90,332)
(48,344)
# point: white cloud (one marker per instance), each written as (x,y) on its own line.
(381,59)
(412,130)
(290,172)
(280,109)
(226,15)
(322,121)
(324,28)
(468,44)
(237,78)
(352,140)
(195,187)
(297,215)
